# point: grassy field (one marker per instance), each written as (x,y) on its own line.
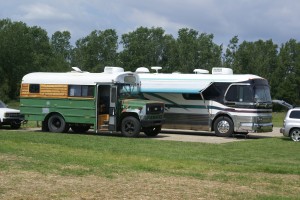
(37,165)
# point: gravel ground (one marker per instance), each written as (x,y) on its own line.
(192,136)
(207,137)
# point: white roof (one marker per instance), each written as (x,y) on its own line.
(76,78)
(186,83)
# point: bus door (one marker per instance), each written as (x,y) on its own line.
(206,96)
(106,107)
(112,125)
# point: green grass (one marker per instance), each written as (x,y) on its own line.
(46,153)
(278,118)
(272,161)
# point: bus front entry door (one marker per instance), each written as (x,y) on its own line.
(112,124)
(106,107)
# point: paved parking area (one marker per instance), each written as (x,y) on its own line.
(206,137)
(189,136)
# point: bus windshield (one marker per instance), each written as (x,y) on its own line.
(128,90)
(262,93)
(247,93)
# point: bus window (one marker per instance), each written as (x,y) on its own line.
(34,88)
(192,96)
(81,90)
(262,93)
(239,93)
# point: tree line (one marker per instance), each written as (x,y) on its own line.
(25,49)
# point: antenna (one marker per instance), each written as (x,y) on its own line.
(156,68)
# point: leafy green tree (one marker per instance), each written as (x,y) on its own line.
(96,50)
(196,51)
(144,47)
(286,77)
(258,58)
(60,42)
(209,53)
(230,54)
(23,49)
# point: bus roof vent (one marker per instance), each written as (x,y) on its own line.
(142,70)
(201,71)
(112,70)
(156,68)
(222,71)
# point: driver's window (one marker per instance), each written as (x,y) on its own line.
(239,93)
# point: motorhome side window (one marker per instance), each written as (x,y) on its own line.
(239,93)
(81,90)
(191,96)
(34,88)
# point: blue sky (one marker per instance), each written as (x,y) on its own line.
(249,19)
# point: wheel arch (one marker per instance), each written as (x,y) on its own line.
(45,122)
(291,130)
(221,114)
(53,113)
(127,114)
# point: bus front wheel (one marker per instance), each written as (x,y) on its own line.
(223,127)
(57,124)
(130,127)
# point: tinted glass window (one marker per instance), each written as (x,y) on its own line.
(295,114)
(34,88)
(240,93)
(81,90)
(192,96)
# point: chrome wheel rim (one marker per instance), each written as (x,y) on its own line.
(223,126)
(295,135)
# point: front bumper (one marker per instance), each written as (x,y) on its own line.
(254,127)
(9,121)
(152,123)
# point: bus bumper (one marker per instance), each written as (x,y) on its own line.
(151,123)
(254,127)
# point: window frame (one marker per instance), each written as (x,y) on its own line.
(34,88)
(239,90)
(85,91)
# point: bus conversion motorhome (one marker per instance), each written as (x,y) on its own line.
(222,102)
(81,100)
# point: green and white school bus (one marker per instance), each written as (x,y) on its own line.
(106,101)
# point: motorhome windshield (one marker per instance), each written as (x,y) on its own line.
(248,93)
(262,93)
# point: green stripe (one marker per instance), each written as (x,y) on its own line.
(73,110)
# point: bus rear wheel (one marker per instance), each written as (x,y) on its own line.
(57,124)
(223,127)
(152,131)
(130,127)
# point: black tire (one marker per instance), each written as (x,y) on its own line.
(130,127)
(152,131)
(223,127)
(57,124)
(80,128)
(295,134)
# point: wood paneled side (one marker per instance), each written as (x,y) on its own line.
(46,91)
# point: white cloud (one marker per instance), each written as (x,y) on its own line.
(249,19)
(150,19)
(41,11)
